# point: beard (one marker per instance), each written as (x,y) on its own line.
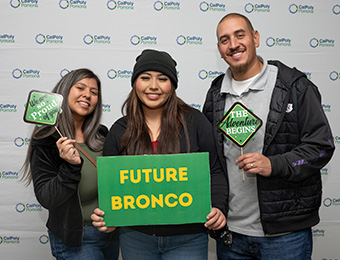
(239,69)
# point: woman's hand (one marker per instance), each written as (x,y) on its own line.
(216,219)
(99,223)
(67,151)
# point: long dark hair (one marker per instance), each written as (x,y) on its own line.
(65,124)
(136,139)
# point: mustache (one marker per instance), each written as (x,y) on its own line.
(237,49)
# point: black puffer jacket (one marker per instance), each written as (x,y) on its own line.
(56,188)
(298,143)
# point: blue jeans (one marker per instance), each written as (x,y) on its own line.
(293,246)
(96,245)
(136,245)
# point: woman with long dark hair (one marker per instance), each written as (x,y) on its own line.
(63,170)
(156,121)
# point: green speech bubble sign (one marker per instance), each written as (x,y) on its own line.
(43,107)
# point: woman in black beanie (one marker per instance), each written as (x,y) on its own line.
(156,121)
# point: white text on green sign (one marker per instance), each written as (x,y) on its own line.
(240,124)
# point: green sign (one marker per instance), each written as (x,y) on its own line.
(240,124)
(154,189)
(43,107)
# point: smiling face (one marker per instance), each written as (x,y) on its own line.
(237,45)
(83,98)
(153,89)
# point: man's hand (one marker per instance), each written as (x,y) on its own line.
(255,163)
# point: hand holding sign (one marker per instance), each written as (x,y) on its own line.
(43,108)
(255,163)
(98,221)
(67,150)
(239,125)
(216,219)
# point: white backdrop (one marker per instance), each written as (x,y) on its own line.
(40,41)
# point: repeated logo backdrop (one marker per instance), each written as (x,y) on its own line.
(41,41)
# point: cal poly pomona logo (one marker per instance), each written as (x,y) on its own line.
(324,171)
(96,39)
(6,107)
(146,40)
(194,105)
(42,38)
(9,240)
(314,42)
(7,38)
(9,175)
(33,207)
(308,74)
(122,5)
(25,73)
(106,108)
(113,74)
(63,72)
(43,239)
(24,3)
(215,7)
(336,139)
(293,9)
(204,74)
(17,73)
(65,4)
(190,40)
(334,75)
(318,232)
(172,5)
(19,141)
(20,207)
(328,202)
(271,41)
(336,9)
(260,8)
(326,108)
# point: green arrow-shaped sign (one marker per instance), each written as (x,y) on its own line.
(240,124)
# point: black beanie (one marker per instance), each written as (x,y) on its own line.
(152,60)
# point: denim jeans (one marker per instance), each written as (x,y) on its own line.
(136,245)
(293,246)
(96,245)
